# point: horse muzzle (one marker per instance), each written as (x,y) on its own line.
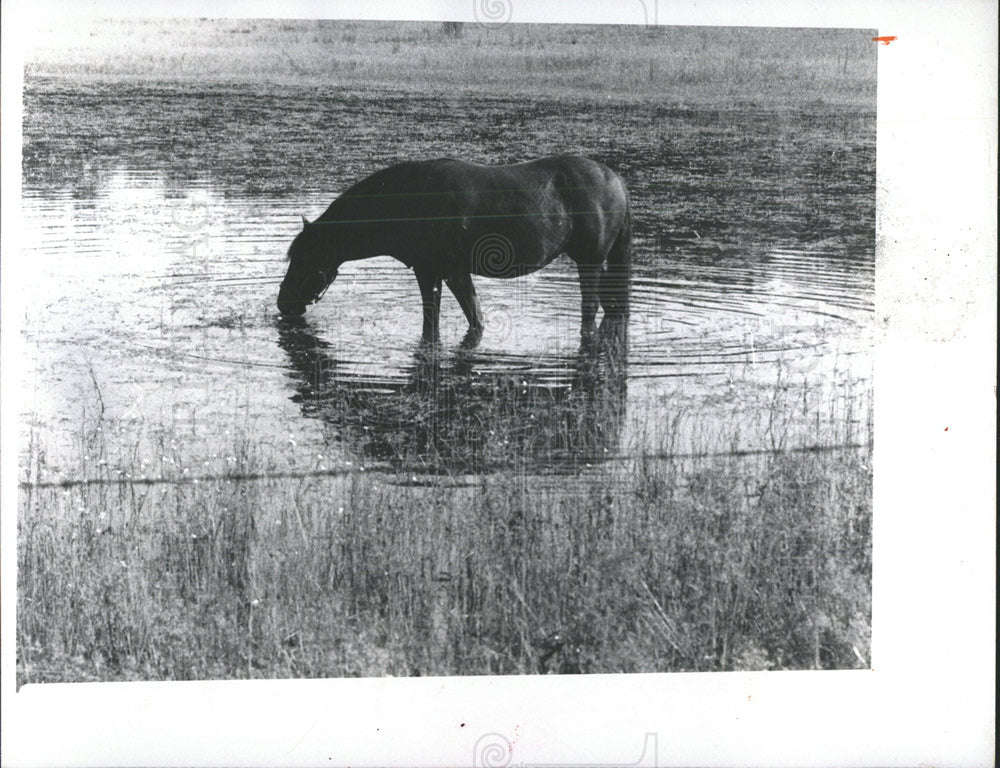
(291,308)
(292,300)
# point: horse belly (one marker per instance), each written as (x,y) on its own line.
(519,244)
(511,254)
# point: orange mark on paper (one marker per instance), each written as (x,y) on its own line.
(885,39)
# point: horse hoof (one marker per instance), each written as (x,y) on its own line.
(472,338)
(291,308)
(429,342)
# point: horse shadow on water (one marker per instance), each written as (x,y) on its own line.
(461,412)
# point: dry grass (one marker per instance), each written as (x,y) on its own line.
(689,557)
(693,65)
(706,559)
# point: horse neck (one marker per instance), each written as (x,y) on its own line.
(353,232)
(348,241)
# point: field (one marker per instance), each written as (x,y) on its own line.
(720,66)
(694,562)
(209,492)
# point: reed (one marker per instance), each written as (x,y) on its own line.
(689,65)
(691,557)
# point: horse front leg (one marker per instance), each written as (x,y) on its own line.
(430,296)
(461,286)
(590,280)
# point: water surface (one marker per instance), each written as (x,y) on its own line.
(157,219)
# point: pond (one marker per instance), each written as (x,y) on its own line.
(157,217)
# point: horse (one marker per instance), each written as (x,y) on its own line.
(449,219)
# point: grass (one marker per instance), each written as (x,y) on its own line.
(695,557)
(695,554)
(688,65)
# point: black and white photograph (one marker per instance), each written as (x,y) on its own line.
(462,347)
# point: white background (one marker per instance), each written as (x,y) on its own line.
(929,698)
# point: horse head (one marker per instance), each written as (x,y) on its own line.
(311,270)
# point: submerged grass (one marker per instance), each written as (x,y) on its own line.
(704,559)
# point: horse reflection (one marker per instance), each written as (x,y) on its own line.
(466,412)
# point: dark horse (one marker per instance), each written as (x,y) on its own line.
(448,220)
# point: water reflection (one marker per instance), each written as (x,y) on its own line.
(465,411)
(753,249)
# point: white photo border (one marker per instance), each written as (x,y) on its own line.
(929,697)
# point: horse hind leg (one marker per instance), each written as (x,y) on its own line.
(590,279)
(465,292)
(616,275)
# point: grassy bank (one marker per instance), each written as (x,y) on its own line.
(486,542)
(712,560)
(689,65)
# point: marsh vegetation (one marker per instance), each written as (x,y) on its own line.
(207,491)
(696,557)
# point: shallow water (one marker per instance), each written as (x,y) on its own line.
(157,219)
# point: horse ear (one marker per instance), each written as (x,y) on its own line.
(305,222)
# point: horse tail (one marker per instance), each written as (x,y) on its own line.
(616,277)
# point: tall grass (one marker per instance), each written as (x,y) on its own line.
(693,557)
(676,64)
(715,546)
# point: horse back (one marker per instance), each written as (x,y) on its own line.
(556,202)
(543,207)
(446,185)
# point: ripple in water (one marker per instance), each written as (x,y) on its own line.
(160,288)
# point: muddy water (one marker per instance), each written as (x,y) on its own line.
(156,219)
